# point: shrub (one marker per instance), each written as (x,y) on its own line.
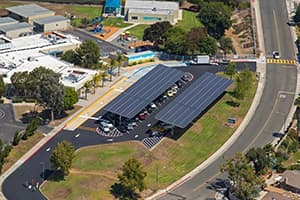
(7,150)
(30,100)
(16,139)
(17,100)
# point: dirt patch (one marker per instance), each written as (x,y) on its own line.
(25,111)
(61,193)
(240,32)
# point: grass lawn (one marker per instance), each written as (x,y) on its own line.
(5,4)
(170,160)
(117,22)
(189,20)
(292,160)
(138,31)
(18,151)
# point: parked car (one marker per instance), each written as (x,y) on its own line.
(108,123)
(104,127)
(143,116)
(276,55)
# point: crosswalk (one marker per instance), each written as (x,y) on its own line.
(150,142)
(281,61)
(113,133)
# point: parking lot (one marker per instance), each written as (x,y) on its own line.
(144,127)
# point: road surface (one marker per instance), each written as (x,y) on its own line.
(272,111)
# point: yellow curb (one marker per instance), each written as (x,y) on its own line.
(95,102)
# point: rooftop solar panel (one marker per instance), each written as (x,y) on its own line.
(144,91)
(194,100)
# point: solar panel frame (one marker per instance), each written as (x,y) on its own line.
(133,100)
(194,100)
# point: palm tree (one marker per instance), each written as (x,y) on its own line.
(113,63)
(87,86)
(120,60)
(95,81)
(103,76)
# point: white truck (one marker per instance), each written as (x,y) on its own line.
(201,60)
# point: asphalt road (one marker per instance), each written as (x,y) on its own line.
(274,106)
(105,47)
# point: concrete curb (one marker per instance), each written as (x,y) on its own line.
(261,68)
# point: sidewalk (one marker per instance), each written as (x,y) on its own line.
(121,30)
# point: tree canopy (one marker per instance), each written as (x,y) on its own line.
(70,98)
(195,38)
(216,17)
(226,45)
(209,46)
(156,32)
(2,87)
(62,157)
(245,184)
(230,69)
(175,41)
(52,93)
(88,53)
(131,180)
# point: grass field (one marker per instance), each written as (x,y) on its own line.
(170,160)
(138,31)
(117,22)
(294,157)
(189,20)
(18,151)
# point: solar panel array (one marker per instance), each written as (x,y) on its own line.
(144,91)
(193,100)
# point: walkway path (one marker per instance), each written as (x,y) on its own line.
(121,30)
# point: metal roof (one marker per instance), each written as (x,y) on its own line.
(51,19)
(158,5)
(7,20)
(194,100)
(112,4)
(12,27)
(29,10)
(144,91)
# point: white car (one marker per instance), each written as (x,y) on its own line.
(276,55)
(48,149)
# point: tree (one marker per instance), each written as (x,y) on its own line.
(2,87)
(216,18)
(156,33)
(194,38)
(89,54)
(297,102)
(175,41)
(52,93)
(245,184)
(243,84)
(260,160)
(19,80)
(113,63)
(70,98)
(71,56)
(62,157)
(230,69)
(297,14)
(131,180)
(120,60)
(32,126)
(239,91)
(16,138)
(103,77)
(226,45)
(208,46)
(87,86)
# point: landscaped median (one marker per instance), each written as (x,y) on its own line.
(95,168)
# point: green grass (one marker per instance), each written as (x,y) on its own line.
(294,157)
(85,11)
(138,31)
(189,20)
(171,159)
(116,22)
(6,4)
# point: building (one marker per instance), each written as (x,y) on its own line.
(28,13)
(7,21)
(16,30)
(52,23)
(277,196)
(149,12)
(291,181)
(112,7)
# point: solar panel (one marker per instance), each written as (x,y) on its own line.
(194,100)
(144,91)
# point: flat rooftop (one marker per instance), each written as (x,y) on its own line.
(12,27)
(159,5)
(151,11)
(7,20)
(29,10)
(51,19)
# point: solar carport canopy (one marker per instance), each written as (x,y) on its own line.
(144,91)
(193,100)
